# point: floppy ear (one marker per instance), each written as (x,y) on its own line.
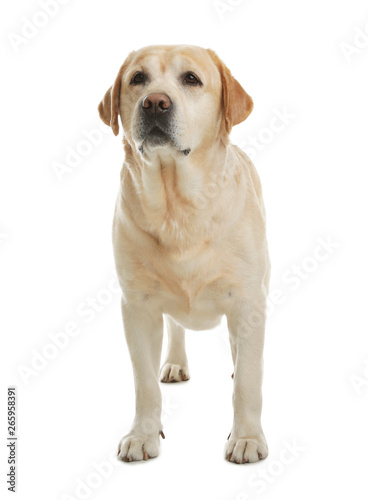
(236,102)
(110,104)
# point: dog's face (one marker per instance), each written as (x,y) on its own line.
(179,97)
(170,96)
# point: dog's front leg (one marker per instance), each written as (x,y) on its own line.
(246,323)
(143,332)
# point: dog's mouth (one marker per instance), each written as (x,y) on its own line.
(159,137)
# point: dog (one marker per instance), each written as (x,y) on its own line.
(189,234)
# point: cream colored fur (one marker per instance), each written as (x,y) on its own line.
(189,240)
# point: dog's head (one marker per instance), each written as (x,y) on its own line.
(177,96)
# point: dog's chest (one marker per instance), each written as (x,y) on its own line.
(197,295)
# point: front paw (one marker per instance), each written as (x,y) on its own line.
(171,372)
(244,450)
(134,447)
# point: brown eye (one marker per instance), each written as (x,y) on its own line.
(192,79)
(138,78)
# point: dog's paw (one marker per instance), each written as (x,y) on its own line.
(246,450)
(134,447)
(171,372)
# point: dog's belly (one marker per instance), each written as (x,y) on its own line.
(201,312)
(199,318)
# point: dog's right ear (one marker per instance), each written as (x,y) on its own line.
(110,104)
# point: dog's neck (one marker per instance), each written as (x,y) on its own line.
(175,197)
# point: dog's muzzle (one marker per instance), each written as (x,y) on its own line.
(156,119)
(156,122)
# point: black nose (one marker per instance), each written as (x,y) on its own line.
(156,103)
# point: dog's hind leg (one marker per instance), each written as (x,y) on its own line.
(175,368)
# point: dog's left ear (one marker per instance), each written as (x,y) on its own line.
(236,102)
(110,104)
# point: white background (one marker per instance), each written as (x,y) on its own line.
(56,252)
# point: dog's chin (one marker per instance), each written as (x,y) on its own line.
(157,138)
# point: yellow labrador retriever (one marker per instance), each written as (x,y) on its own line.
(189,233)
